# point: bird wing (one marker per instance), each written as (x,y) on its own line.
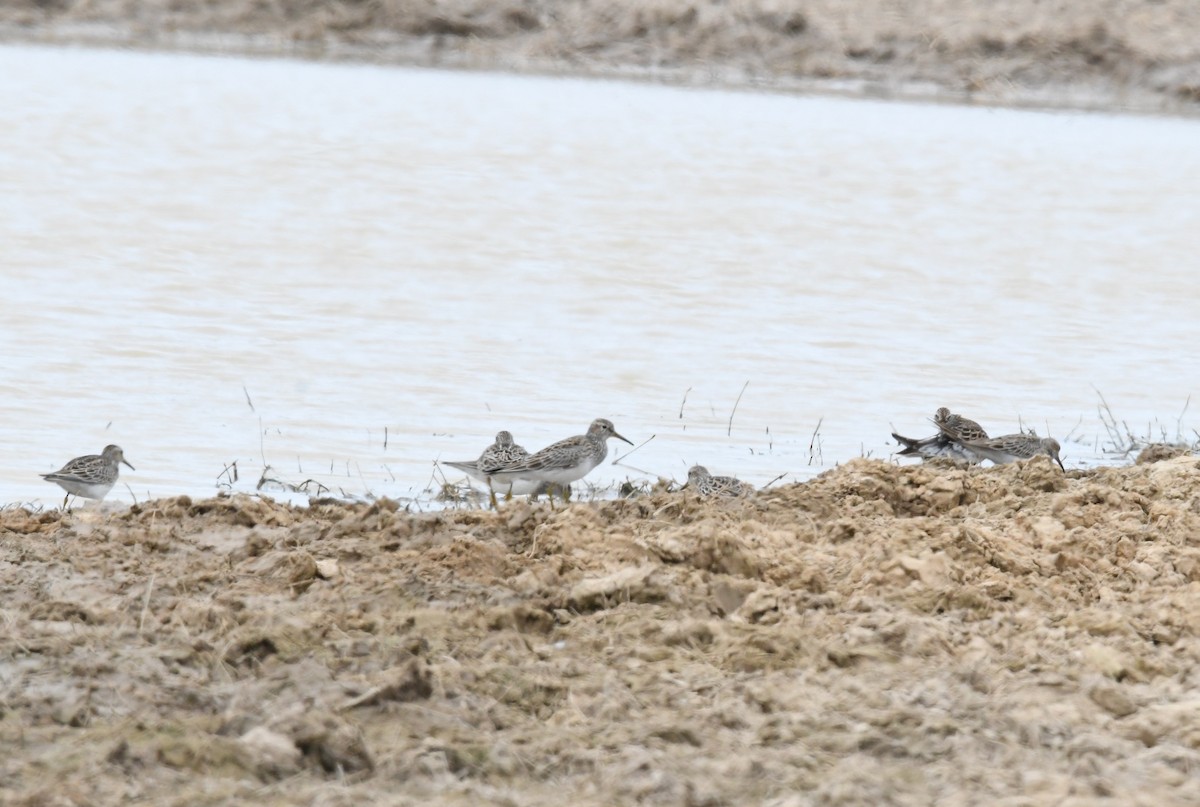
(555,455)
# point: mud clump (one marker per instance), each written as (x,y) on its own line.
(1157,452)
(881,634)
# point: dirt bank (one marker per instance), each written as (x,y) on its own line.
(1102,54)
(880,635)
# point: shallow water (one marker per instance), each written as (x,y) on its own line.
(349,272)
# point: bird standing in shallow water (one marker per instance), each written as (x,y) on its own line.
(500,453)
(567,460)
(504,450)
(91,476)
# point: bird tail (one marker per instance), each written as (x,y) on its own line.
(910,445)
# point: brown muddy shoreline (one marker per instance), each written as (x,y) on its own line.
(1111,55)
(880,635)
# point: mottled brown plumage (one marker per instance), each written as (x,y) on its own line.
(704,483)
(91,476)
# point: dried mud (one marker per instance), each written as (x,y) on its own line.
(880,635)
(1097,54)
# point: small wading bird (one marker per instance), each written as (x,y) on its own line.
(956,427)
(1012,447)
(964,440)
(91,476)
(485,469)
(563,462)
(944,444)
(708,485)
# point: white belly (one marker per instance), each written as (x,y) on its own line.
(567,475)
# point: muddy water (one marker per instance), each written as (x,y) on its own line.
(349,272)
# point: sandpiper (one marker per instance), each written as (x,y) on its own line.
(939,446)
(707,485)
(91,476)
(567,460)
(502,452)
(944,444)
(499,453)
(1012,447)
(956,427)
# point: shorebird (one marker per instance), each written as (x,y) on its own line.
(708,485)
(937,447)
(1012,447)
(566,461)
(91,476)
(945,444)
(502,452)
(956,427)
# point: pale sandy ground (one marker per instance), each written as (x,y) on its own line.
(1134,55)
(882,635)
